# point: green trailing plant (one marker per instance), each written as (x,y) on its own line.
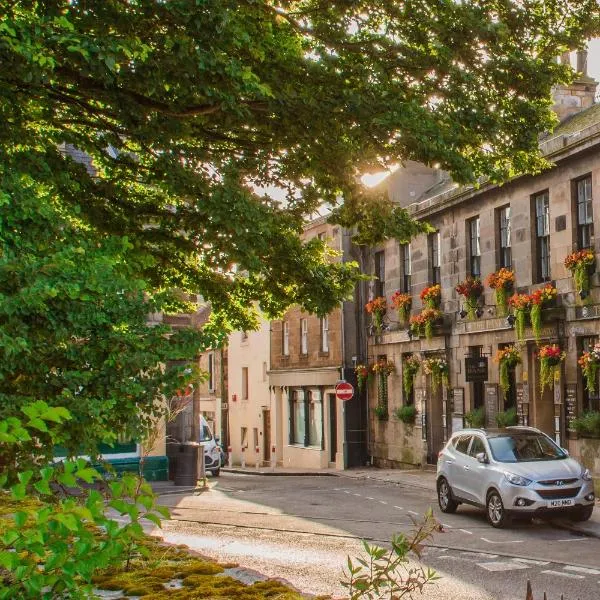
(410,367)
(439,371)
(537,301)
(581,263)
(507,418)
(476,417)
(590,365)
(521,304)
(588,424)
(550,357)
(362,375)
(381,573)
(502,282)
(382,369)
(407,414)
(507,358)
(381,412)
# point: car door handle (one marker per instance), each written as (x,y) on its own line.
(466,468)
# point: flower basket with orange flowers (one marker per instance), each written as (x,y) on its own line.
(550,357)
(507,358)
(538,300)
(402,303)
(590,364)
(580,264)
(376,308)
(520,303)
(362,374)
(422,324)
(431,296)
(502,282)
(471,289)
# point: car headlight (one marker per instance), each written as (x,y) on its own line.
(516,479)
(586,475)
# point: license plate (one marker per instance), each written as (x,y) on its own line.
(560,503)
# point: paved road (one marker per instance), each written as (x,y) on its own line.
(497,561)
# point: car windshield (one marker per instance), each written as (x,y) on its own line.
(524,448)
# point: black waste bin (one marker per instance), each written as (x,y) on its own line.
(187,464)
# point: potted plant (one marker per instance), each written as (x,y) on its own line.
(431,296)
(381,412)
(520,303)
(402,303)
(590,363)
(410,367)
(537,301)
(587,424)
(507,358)
(471,289)
(476,417)
(581,264)
(362,374)
(438,369)
(417,325)
(407,414)
(502,282)
(507,418)
(376,308)
(550,357)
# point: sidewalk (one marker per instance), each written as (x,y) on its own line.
(416,478)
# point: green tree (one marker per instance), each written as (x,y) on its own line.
(184,108)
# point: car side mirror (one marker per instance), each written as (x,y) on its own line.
(217,439)
(482,458)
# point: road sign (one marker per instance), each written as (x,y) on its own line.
(344,391)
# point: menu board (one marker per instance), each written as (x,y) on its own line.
(491,404)
(570,403)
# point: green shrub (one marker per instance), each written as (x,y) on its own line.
(381,412)
(407,414)
(588,424)
(476,417)
(507,418)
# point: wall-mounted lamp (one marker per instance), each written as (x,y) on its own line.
(462,313)
(583,294)
(479,313)
(510,320)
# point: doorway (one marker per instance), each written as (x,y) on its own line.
(332,427)
(266,427)
(435,425)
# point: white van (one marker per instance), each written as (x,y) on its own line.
(212,450)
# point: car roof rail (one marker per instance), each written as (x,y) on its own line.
(525,427)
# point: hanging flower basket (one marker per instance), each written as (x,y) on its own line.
(538,300)
(376,308)
(402,303)
(502,282)
(362,374)
(439,371)
(581,264)
(382,369)
(471,289)
(550,358)
(590,364)
(507,358)
(410,367)
(422,324)
(432,296)
(521,304)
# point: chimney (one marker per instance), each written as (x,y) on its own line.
(578,95)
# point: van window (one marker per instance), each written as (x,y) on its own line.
(205,432)
(462,443)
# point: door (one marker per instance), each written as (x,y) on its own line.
(475,480)
(266,436)
(461,467)
(435,428)
(332,427)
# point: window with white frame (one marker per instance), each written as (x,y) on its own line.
(585,216)
(303,336)
(245,390)
(541,206)
(474,238)
(211,372)
(325,334)
(286,338)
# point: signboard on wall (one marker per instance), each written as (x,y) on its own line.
(458,401)
(491,404)
(570,404)
(476,368)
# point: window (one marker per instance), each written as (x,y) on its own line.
(406,267)
(477,387)
(504,237)
(245,383)
(264,371)
(590,402)
(244,437)
(255,436)
(321,236)
(325,334)
(379,288)
(462,443)
(303,336)
(541,204)
(244,337)
(585,217)
(477,447)
(286,338)
(474,247)
(211,372)
(306,418)
(410,397)
(434,243)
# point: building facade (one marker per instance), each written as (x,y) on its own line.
(528,226)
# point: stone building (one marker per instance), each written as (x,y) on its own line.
(529,225)
(309,356)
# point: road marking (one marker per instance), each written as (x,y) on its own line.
(479,554)
(507,542)
(584,570)
(398,507)
(501,566)
(465,531)
(346,492)
(562,574)
(382,502)
(447,526)
(530,561)
(369,498)
(412,512)
(574,540)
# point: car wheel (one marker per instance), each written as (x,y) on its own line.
(496,514)
(582,513)
(445,499)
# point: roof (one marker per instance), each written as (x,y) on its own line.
(577,122)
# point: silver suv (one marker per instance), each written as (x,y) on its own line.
(513,472)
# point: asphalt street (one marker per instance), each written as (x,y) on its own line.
(496,563)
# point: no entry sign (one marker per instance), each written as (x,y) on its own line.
(344,391)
